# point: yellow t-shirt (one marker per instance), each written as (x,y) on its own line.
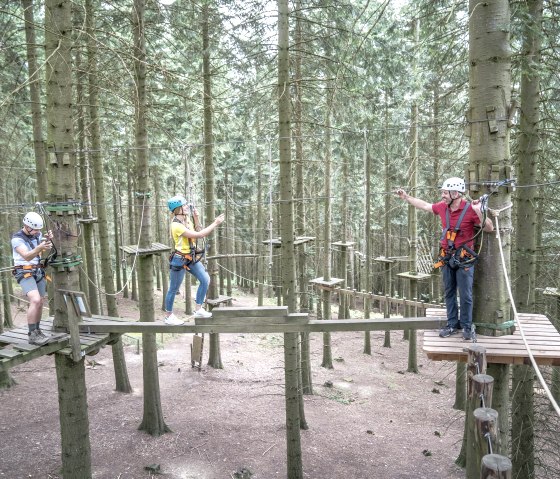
(182,243)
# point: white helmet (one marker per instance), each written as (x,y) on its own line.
(454,184)
(33,220)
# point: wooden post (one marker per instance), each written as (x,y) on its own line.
(476,364)
(486,424)
(480,394)
(495,466)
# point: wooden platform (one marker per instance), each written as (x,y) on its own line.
(15,348)
(155,248)
(542,336)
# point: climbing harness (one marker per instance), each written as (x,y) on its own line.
(455,258)
(28,270)
(195,254)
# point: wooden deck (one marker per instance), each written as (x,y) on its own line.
(15,348)
(541,335)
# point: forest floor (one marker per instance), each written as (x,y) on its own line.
(368,417)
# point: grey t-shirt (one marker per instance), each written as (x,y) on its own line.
(17,242)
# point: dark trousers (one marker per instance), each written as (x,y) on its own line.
(461,280)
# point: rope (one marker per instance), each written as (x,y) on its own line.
(516,316)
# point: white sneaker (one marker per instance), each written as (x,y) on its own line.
(202,313)
(173,320)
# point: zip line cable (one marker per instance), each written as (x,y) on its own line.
(516,316)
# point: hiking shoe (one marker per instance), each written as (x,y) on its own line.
(173,320)
(202,313)
(467,335)
(47,336)
(448,331)
(36,338)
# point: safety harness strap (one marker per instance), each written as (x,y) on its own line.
(455,258)
(450,236)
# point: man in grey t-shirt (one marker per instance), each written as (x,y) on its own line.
(27,246)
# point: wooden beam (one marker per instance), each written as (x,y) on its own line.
(314,326)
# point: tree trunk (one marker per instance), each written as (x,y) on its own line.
(153,421)
(489,156)
(214,354)
(368,249)
(291,359)
(97,163)
(35,96)
(387,233)
(413,217)
(327,240)
(87,226)
(489,161)
(74,425)
(522,436)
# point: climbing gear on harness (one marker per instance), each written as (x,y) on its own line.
(33,220)
(175,202)
(27,271)
(454,184)
(462,257)
(189,258)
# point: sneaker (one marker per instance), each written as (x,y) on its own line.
(36,338)
(448,331)
(467,335)
(173,320)
(202,313)
(47,336)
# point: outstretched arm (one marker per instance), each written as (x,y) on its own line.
(205,231)
(416,202)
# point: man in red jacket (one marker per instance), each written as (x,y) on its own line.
(458,219)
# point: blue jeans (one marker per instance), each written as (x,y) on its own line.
(461,280)
(176,276)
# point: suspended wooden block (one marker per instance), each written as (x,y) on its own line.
(385,259)
(413,276)
(249,316)
(344,244)
(277,242)
(219,300)
(551,292)
(155,248)
(329,285)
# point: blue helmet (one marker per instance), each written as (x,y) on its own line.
(175,202)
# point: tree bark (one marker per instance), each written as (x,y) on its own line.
(35,94)
(294,461)
(74,424)
(153,421)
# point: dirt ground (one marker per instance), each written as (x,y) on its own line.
(368,417)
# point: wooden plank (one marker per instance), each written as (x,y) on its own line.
(247,312)
(251,320)
(391,324)
(6,364)
(9,353)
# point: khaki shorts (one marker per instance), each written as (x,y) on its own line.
(30,284)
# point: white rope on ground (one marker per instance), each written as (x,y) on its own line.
(516,317)
(133,263)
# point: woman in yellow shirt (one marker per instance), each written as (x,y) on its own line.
(183,258)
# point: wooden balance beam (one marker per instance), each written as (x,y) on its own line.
(260,320)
